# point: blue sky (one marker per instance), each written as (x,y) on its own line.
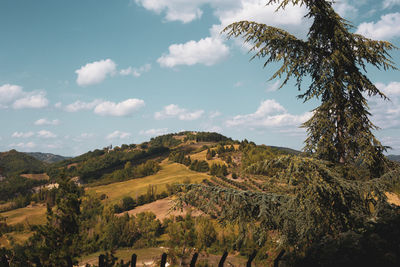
(82,74)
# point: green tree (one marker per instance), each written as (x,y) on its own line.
(58,243)
(335,59)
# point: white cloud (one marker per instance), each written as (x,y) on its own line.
(46,134)
(386,28)
(32,100)
(22,135)
(207,51)
(9,92)
(386,114)
(238,84)
(269,114)
(211,50)
(214,114)
(137,72)
(45,121)
(274,87)
(80,105)
(174,111)
(28,145)
(175,10)
(123,108)
(391,89)
(214,128)
(390,3)
(344,8)
(118,135)
(154,132)
(95,72)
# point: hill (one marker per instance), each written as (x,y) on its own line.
(47,157)
(14,162)
(394,157)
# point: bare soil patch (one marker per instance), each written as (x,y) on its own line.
(161,208)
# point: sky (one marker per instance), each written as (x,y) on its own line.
(78,75)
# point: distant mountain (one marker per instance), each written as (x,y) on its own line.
(14,162)
(394,157)
(47,157)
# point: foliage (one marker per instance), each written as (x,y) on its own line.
(218,170)
(320,201)
(207,137)
(179,157)
(335,59)
(14,162)
(58,243)
(199,166)
(167,140)
(15,186)
(377,245)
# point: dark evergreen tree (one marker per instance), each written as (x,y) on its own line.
(335,59)
(58,243)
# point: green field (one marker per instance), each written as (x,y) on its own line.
(169,173)
(35,214)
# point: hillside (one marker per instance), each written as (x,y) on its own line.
(394,157)
(14,162)
(47,157)
(222,187)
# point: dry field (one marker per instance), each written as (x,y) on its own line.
(36,176)
(169,173)
(162,209)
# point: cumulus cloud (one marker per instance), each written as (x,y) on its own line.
(27,145)
(211,50)
(9,92)
(123,108)
(95,72)
(46,134)
(391,89)
(15,95)
(344,8)
(137,72)
(45,121)
(174,111)
(175,10)
(22,134)
(390,3)
(154,132)
(80,105)
(386,114)
(207,51)
(269,114)
(118,135)
(386,28)
(32,100)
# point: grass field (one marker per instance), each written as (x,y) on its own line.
(32,214)
(202,156)
(36,176)
(169,173)
(18,238)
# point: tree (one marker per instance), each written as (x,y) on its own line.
(335,59)
(58,242)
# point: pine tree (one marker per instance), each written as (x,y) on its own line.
(335,59)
